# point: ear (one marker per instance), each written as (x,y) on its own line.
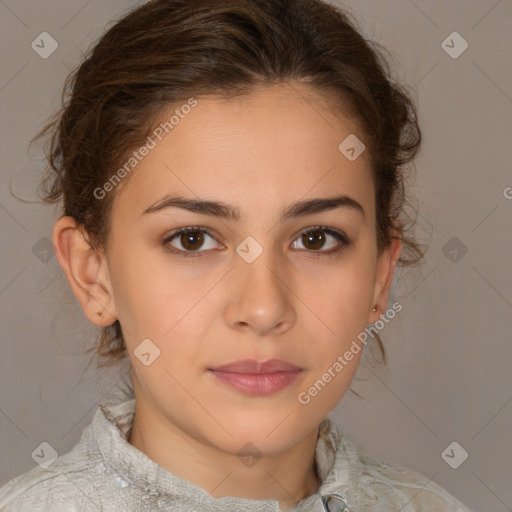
(86,270)
(386,263)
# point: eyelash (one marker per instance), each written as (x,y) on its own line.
(343,240)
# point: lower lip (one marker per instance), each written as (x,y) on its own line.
(257,383)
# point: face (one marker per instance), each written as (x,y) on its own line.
(274,280)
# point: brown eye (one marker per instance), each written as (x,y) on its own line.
(192,240)
(317,240)
(189,240)
(314,239)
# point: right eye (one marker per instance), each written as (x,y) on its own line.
(191,239)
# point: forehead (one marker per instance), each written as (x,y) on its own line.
(274,146)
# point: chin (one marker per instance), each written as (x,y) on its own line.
(268,432)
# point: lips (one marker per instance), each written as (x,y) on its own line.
(256,378)
(252,366)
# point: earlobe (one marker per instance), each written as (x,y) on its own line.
(86,270)
(385,270)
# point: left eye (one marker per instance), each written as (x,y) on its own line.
(315,239)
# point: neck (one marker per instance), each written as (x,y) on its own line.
(287,477)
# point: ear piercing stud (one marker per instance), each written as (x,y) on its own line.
(374,309)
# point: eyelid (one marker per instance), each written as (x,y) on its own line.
(340,235)
(186,229)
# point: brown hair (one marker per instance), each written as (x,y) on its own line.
(167,51)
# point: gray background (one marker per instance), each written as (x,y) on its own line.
(449,375)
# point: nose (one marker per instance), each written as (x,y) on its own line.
(261,297)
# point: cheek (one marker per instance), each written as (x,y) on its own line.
(341,301)
(142,290)
(160,302)
(343,293)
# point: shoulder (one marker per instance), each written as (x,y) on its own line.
(373,484)
(67,484)
(416,491)
(82,479)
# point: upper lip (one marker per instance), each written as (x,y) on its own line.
(252,366)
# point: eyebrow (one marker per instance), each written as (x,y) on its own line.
(226,211)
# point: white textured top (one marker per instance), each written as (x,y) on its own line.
(103,472)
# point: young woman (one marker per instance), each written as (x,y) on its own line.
(232,183)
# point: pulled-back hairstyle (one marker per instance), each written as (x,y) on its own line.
(166,51)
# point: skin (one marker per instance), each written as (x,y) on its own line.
(260,153)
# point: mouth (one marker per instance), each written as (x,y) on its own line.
(256,378)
